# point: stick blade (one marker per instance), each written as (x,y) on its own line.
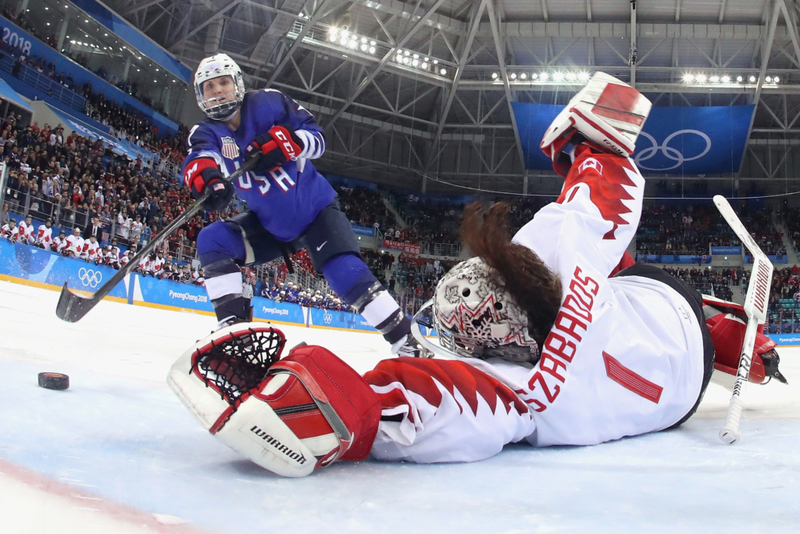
(71,307)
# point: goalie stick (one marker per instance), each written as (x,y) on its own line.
(72,307)
(755,306)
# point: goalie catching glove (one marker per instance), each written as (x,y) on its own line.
(275,148)
(203,175)
(607,114)
(290,416)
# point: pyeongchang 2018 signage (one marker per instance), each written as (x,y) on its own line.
(675,140)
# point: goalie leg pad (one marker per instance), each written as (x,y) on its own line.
(290,416)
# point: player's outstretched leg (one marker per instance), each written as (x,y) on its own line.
(726,323)
(222,250)
(334,250)
(291,415)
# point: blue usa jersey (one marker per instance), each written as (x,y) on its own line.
(288,198)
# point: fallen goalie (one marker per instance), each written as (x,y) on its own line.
(555,337)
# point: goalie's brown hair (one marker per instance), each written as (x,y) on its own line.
(533,285)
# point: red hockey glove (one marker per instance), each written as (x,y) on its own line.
(727,333)
(203,175)
(275,148)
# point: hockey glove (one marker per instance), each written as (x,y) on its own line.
(275,148)
(607,114)
(203,175)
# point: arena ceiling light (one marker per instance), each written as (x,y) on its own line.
(351,40)
(410,58)
(544,78)
(712,79)
(338,38)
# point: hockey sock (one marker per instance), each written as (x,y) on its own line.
(220,249)
(350,278)
(232,306)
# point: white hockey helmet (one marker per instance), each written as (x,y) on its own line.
(476,317)
(222,108)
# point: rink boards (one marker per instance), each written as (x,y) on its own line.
(40,268)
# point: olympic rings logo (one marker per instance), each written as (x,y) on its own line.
(90,277)
(669,152)
(327,317)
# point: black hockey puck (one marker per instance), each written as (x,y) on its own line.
(53,380)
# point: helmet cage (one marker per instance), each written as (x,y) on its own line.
(215,67)
(476,317)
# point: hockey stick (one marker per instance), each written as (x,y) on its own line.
(72,307)
(755,306)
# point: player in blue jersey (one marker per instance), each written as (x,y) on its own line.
(291,206)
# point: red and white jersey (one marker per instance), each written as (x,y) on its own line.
(158,263)
(25,233)
(126,257)
(44,236)
(111,256)
(146,265)
(91,250)
(59,244)
(10,233)
(625,356)
(74,245)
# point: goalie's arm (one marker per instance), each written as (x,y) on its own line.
(595,216)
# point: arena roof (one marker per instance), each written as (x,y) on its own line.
(419,93)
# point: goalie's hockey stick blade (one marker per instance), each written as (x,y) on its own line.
(72,307)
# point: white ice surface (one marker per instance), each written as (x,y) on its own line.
(118,452)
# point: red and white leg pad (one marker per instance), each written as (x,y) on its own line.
(310,409)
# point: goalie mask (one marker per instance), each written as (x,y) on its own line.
(223,107)
(476,317)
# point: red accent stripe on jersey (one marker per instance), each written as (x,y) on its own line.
(572,195)
(630,380)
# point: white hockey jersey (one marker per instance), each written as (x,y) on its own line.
(59,244)
(12,234)
(74,245)
(25,233)
(44,236)
(91,250)
(625,356)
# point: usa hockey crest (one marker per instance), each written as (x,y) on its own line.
(230,149)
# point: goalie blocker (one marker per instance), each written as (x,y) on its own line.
(291,415)
(727,322)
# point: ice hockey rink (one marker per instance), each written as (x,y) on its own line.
(118,452)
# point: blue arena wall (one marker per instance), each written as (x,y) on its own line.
(32,266)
